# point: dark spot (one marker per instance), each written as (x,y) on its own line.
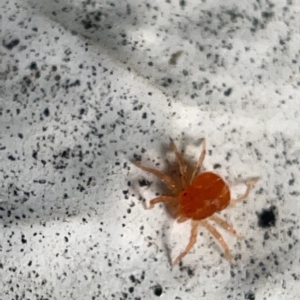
(158,290)
(228,92)
(144,182)
(81,111)
(267,15)
(33,66)
(217,166)
(46,112)
(128,9)
(80,188)
(66,239)
(174,57)
(281,42)
(75,83)
(23,240)
(250,296)
(20,135)
(267,218)
(150,64)
(10,157)
(65,153)
(34,154)
(87,24)
(11,44)
(144,116)
(131,289)
(182,3)
(190,272)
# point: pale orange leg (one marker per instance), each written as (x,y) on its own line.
(181,219)
(160,199)
(168,181)
(224,224)
(250,184)
(200,161)
(219,237)
(193,239)
(182,164)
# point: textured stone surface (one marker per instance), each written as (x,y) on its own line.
(88,86)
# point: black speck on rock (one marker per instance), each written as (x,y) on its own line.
(250,296)
(23,240)
(267,218)
(46,112)
(144,182)
(33,66)
(217,166)
(10,157)
(10,45)
(228,92)
(158,290)
(182,3)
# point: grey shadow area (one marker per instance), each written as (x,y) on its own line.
(61,159)
(148,38)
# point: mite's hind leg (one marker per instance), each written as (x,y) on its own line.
(224,224)
(193,239)
(168,181)
(182,164)
(249,184)
(200,161)
(219,237)
(166,199)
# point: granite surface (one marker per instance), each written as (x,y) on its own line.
(86,87)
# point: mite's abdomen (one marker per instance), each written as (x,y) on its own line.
(207,194)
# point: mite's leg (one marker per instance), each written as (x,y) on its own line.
(159,199)
(168,181)
(224,224)
(193,239)
(182,164)
(181,219)
(250,184)
(200,161)
(219,237)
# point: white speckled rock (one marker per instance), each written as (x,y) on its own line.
(88,86)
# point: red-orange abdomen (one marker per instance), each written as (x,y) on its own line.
(207,194)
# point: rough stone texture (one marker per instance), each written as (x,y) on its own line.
(88,86)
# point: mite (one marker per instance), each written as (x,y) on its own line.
(198,197)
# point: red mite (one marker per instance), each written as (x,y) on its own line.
(198,197)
